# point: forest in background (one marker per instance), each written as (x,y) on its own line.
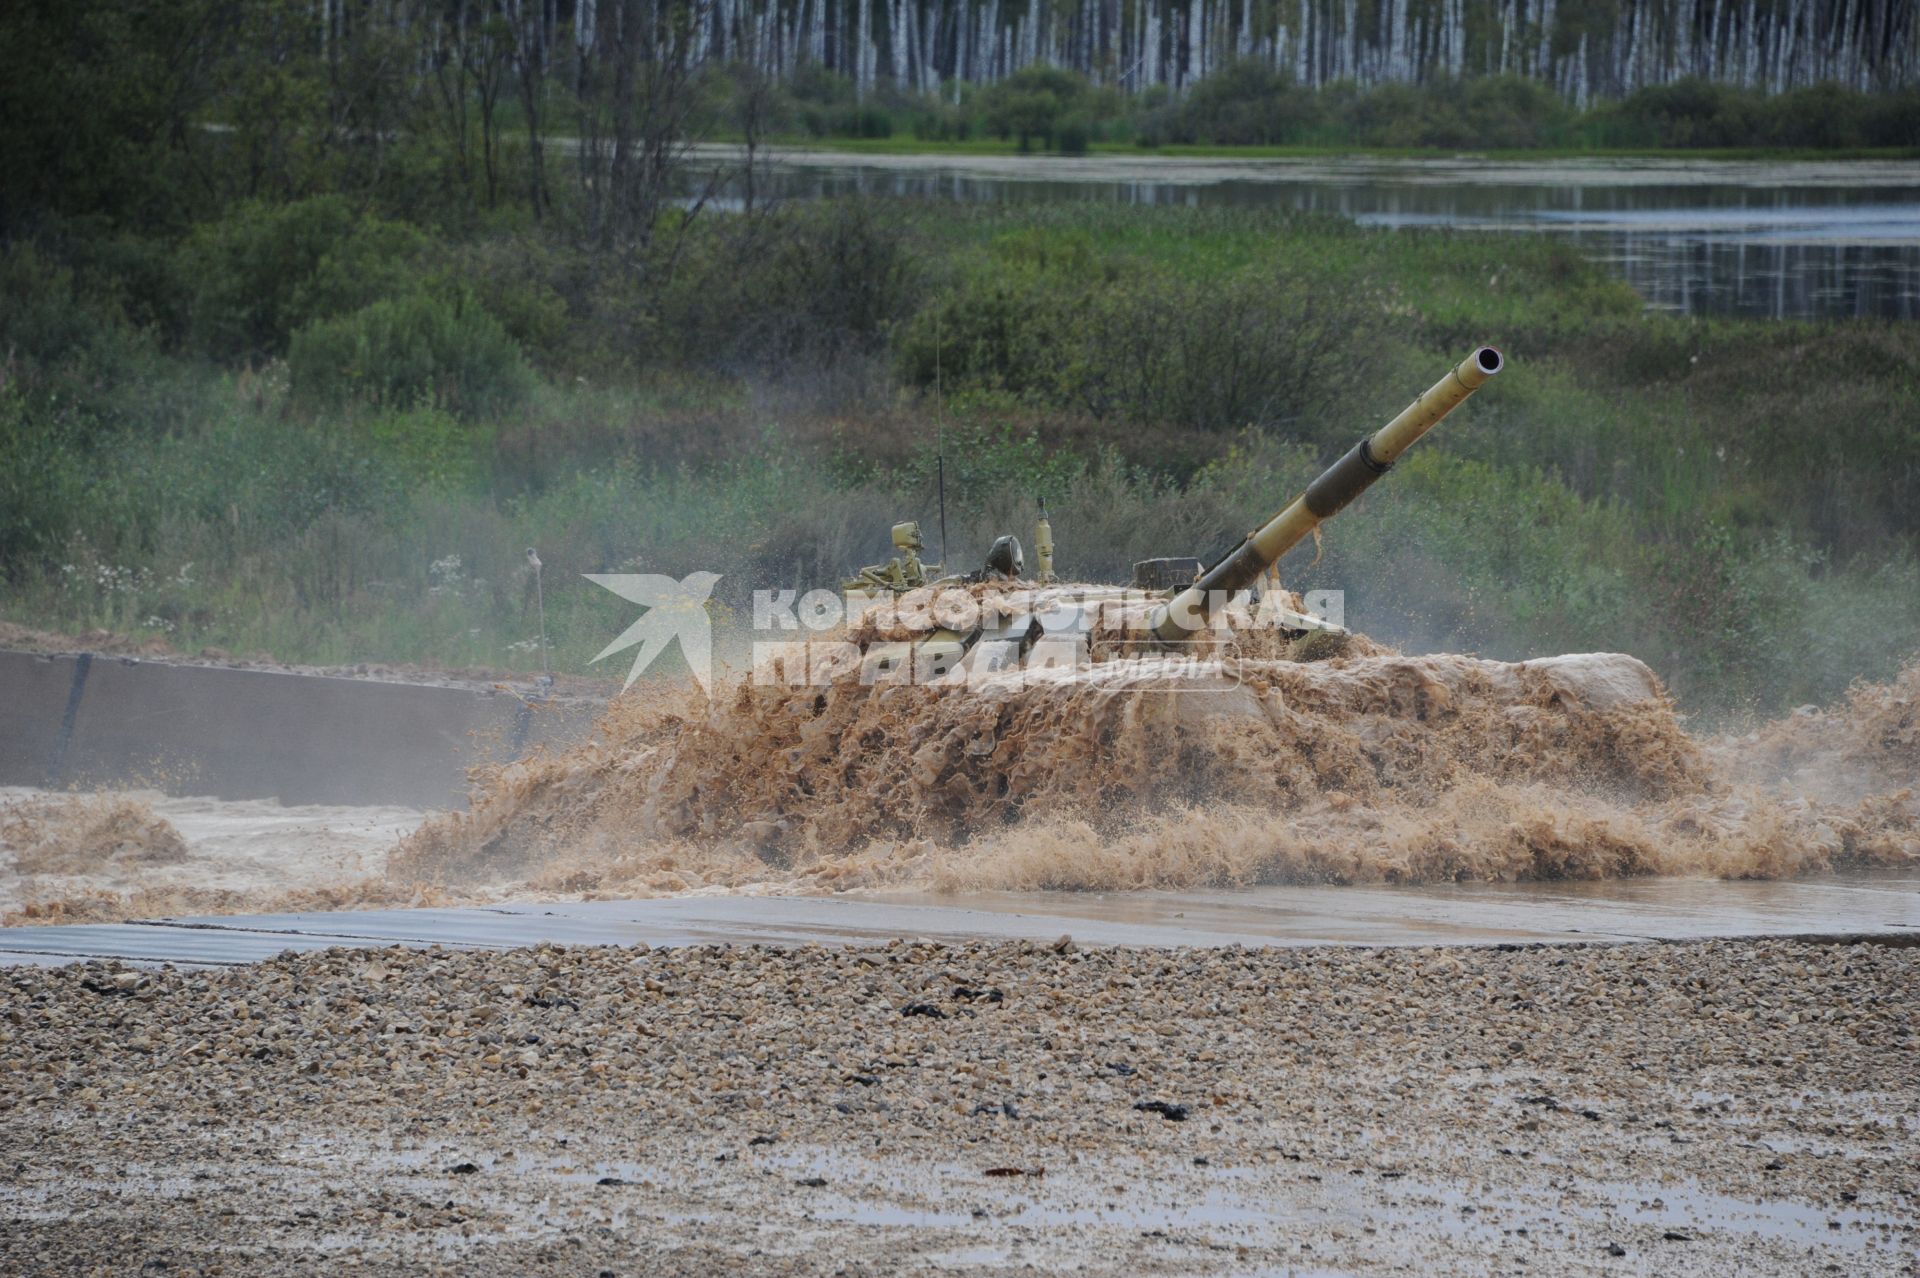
(301,350)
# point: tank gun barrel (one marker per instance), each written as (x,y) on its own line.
(1325,497)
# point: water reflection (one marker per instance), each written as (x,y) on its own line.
(1759,246)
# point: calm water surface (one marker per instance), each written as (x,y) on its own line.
(1819,239)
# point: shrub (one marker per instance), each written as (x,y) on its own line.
(1245,104)
(1249,104)
(262,271)
(823,104)
(827,280)
(50,320)
(518,280)
(1696,113)
(411,351)
(135,276)
(996,328)
(67,342)
(1075,134)
(985,461)
(423,448)
(1893,119)
(941,122)
(1032,104)
(1047,321)
(1506,110)
(1267,346)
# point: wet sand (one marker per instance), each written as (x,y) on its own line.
(1706,1108)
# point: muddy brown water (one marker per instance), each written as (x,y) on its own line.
(1375,799)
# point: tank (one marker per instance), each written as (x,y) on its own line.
(905,620)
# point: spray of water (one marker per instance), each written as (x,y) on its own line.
(1138,772)
(1366,769)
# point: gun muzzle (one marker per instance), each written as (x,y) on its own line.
(1325,497)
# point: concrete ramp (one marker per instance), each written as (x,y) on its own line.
(1884,909)
(91,721)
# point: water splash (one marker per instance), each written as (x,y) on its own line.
(1362,770)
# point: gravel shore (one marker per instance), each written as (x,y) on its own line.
(1715,1107)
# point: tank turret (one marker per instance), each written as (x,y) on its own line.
(937,622)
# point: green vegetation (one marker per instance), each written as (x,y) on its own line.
(303,363)
(409,350)
(1735,501)
(1249,105)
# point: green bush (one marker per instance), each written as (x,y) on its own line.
(1698,113)
(987,462)
(50,320)
(1507,111)
(1893,119)
(1052,323)
(407,352)
(1266,347)
(1249,104)
(519,280)
(1033,105)
(1075,134)
(942,122)
(84,366)
(137,277)
(1244,104)
(1687,113)
(424,448)
(999,327)
(828,280)
(264,271)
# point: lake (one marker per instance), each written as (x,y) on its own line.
(1775,239)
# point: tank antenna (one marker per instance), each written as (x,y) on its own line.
(540,599)
(940,439)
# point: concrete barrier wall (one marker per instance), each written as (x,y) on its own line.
(74,720)
(33,698)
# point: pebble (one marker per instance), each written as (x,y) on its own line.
(1386,1072)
